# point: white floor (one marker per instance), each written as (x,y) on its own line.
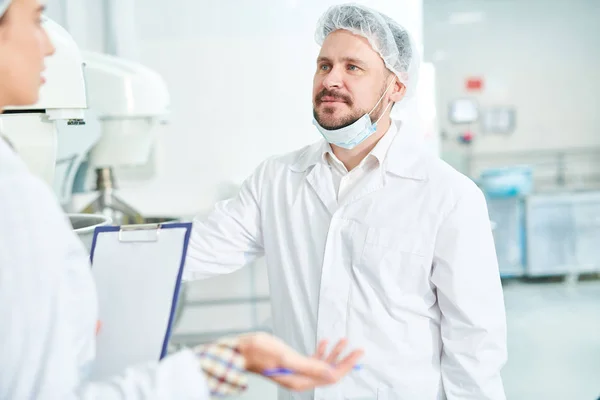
(553,341)
(553,334)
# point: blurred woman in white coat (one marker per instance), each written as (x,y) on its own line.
(48,307)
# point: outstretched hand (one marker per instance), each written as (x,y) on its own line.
(265,352)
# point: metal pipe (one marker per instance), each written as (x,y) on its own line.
(538,153)
(229,301)
(190,339)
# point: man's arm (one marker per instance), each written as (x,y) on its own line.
(469,292)
(231,236)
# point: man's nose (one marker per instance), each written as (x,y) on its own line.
(333,79)
(49,46)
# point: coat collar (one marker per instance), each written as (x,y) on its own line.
(405,158)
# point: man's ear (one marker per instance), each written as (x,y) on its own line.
(398,92)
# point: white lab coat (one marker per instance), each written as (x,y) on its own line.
(48,307)
(405,267)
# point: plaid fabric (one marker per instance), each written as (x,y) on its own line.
(224,367)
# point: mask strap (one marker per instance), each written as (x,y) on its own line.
(383,113)
(382,96)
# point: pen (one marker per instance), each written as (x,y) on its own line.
(287,371)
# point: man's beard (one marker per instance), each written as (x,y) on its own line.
(346,120)
(339,123)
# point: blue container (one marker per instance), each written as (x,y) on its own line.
(507,182)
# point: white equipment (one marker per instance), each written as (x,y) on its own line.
(53,136)
(130,100)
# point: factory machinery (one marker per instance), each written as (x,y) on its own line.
(549,233)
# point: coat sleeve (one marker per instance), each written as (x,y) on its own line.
(39,355)
(231,236)
(469,291)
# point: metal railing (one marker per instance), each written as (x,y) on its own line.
(190,339)
(576,168)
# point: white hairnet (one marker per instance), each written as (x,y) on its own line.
(3,6)
(387,37)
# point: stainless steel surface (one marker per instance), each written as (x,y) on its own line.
(563,232)
(105,179)
(564,169)
(84,226)
(508,217)
(127,220)
(108,203)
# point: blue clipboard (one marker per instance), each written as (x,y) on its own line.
(123,246)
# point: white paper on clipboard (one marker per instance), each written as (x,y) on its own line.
(137,271)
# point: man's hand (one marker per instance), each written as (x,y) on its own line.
(263,352)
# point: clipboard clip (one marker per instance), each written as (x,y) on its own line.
(139,233)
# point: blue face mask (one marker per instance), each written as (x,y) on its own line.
(352,135)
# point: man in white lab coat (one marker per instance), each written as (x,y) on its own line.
(48,304)
(367,236)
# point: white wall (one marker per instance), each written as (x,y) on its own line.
(539,56)
(83,19)
(240,75)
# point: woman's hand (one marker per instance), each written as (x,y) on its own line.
(265,352)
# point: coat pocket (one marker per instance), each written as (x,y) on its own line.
(394,263)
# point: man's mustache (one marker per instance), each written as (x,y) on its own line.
(329,93)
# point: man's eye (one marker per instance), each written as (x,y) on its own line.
(353,68)
(324,67)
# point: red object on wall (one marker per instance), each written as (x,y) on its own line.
(474,83)
(466,137)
